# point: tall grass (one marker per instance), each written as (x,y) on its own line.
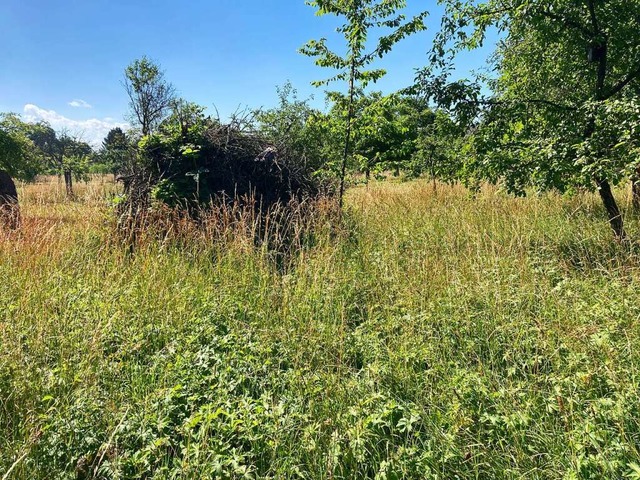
(440,336)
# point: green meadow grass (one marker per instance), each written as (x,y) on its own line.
(439,336)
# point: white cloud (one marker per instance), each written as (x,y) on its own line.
(91,131)
(78,103)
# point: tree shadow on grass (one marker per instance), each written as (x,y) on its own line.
(597,255)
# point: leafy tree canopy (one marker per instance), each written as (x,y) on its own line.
(562,110)
(18,154)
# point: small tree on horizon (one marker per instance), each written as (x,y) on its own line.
(66,153)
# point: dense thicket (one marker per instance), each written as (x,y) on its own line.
(193,160)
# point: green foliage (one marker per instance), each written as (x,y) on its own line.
(393,132)
(150,95)
(62,152)
(30,149)
(361,18)
(439,147)
(563,107)
(116,151)
(174,155)
(295,128)
(18,154)
(384,134)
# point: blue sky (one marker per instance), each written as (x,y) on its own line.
(62,60)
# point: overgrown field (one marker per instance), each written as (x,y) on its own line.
(442,336)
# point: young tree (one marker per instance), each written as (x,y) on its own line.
(437,146)
(361,16)
(150,95)
(114,151)
(561,113)
(66,154)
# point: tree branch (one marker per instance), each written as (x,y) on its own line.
(568,22)
(622,83)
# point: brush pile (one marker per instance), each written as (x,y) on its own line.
(197,166)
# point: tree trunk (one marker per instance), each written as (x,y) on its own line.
(347,141)
(433,169)
(9,209)
(68,183)
(604,188)
(635,190)
(613,212)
